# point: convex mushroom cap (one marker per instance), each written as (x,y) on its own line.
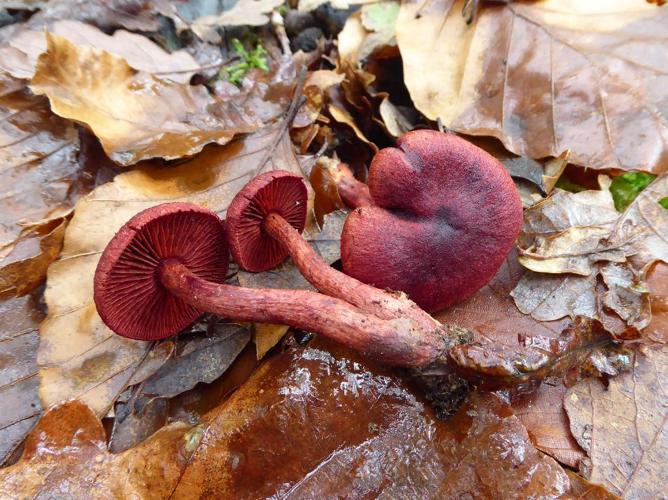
(446,215)
(129,295)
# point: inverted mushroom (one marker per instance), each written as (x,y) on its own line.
(446,214)
(264,222)
(166,266)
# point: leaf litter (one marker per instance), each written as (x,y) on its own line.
(373,421)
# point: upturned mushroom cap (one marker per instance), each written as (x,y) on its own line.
(280,192)
(128,294)
(447,213)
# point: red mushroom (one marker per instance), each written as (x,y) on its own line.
(446,215)
(264,222)
(167,264)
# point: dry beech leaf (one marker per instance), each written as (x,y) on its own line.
(67,452)
(545,76)
(368,30)
(19,403)
(135,115)
(623,427)
(327,243)
(79,357)
(139,51)
(542,413)
(571,239)
(327,424)
(42,176)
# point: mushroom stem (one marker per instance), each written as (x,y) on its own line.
(399,341)
(385,305)
(353,193)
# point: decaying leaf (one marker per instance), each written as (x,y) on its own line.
(19,56)
(67,455)
(135,115)
(542,413)
(623,427)
(242,13)
(79,357)
(327,424)
(40,179)
(572,239)
(657,283)
(545,76)
(19,403)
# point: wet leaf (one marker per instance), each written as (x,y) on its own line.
(623,427)
(19,403)
(327,424)
(66,455)
(571,240)
(657,283)
(79,357)
(42,176)
(135,115)
(545,76)
(139,52)
(542,413)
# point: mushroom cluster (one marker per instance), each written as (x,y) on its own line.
(168,264)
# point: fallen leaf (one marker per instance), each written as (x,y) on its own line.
(581,488)
(42,177)
(139,52)
(623,427)
(79,357)
(135,115)
(657,283)
(393,119)
(67,453)
(368,30)
(542,413)
(327,424)
(203,357)
(242,13)
(19,403)
(544,76)
(571,239)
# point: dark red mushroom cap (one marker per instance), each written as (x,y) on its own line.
(447,213)
(280,192)
(129,296)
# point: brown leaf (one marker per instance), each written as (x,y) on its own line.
(67,453)
(135,115)
(657,283)
(623,427)
(139,51)
(42,177)
(327,424)
(545,76)
(571,239)
(542,413)
(79,357)
(19,404)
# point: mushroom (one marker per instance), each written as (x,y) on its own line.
(264,222)
(167,265)
(445,215)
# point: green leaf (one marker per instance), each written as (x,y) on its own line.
(664,202)
(626,187)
